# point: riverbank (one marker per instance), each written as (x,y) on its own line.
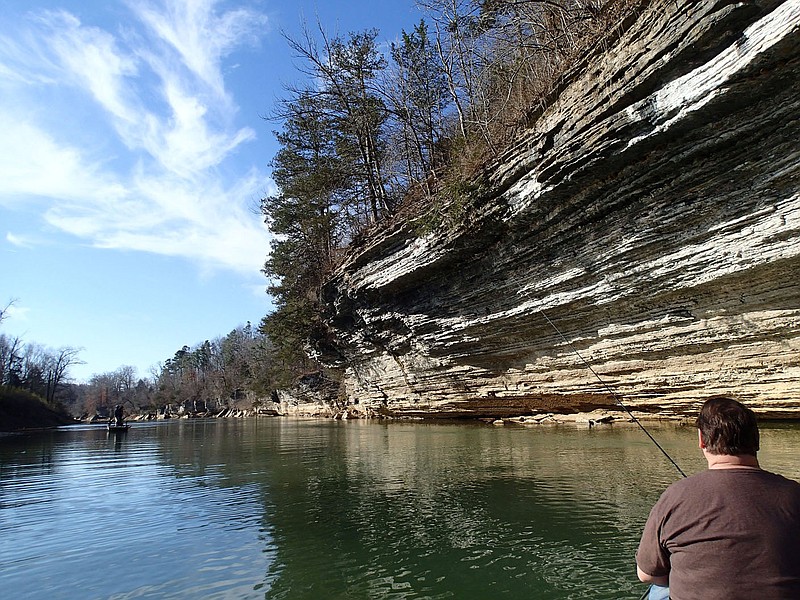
(583,418)
(40,417)
(586,416)
(20,410)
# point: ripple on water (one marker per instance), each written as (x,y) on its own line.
(99,521)
(280,509)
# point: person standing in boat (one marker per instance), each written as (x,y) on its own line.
(730,532)
(119,415)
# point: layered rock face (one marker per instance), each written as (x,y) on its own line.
(642,239)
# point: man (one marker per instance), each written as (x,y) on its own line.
(731,532)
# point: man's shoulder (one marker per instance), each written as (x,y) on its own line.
(770,477)
(699,478)
(783,482)
(720,477)
(684,488)
(732,481)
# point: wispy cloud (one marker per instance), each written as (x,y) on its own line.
(199,35)
(91,57)
(153,181)
(19,240)
(16,312)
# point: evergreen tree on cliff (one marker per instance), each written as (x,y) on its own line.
(308,215)
(331,176)
(344,76)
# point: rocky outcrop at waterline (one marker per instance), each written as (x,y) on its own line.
(648,224)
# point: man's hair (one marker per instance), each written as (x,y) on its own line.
(728,427)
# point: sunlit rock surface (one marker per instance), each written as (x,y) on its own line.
(651,216)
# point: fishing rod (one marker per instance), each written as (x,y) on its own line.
(610,391)
(618,400)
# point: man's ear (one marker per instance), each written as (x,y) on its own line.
(700,441)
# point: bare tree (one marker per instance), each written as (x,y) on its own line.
(502,57)
(10,357)
(59,365)
(104,390)
(6,308)
(417,91)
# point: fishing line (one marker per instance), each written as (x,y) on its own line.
(610,391)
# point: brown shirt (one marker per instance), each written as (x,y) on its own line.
(727,534)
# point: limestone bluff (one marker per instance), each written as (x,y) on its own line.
(651,212)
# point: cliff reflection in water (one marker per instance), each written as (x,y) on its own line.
(412,510)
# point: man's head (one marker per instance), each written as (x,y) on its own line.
(727,427)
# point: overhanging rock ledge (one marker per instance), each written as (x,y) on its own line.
(652,213)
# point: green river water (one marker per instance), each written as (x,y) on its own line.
(276,508)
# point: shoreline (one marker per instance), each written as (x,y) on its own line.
(581,419)
(587,419)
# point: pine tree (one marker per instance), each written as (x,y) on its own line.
(419,97)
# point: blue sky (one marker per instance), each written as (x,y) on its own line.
(133,155)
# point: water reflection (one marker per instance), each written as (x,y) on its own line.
(306,509)
(459,511)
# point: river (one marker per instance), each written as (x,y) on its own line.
(277,508)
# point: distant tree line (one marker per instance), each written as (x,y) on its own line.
(370,137)
(34,368)
(233,369)
(32,374)
(236,369)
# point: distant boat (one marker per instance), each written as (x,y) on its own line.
(113,427)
